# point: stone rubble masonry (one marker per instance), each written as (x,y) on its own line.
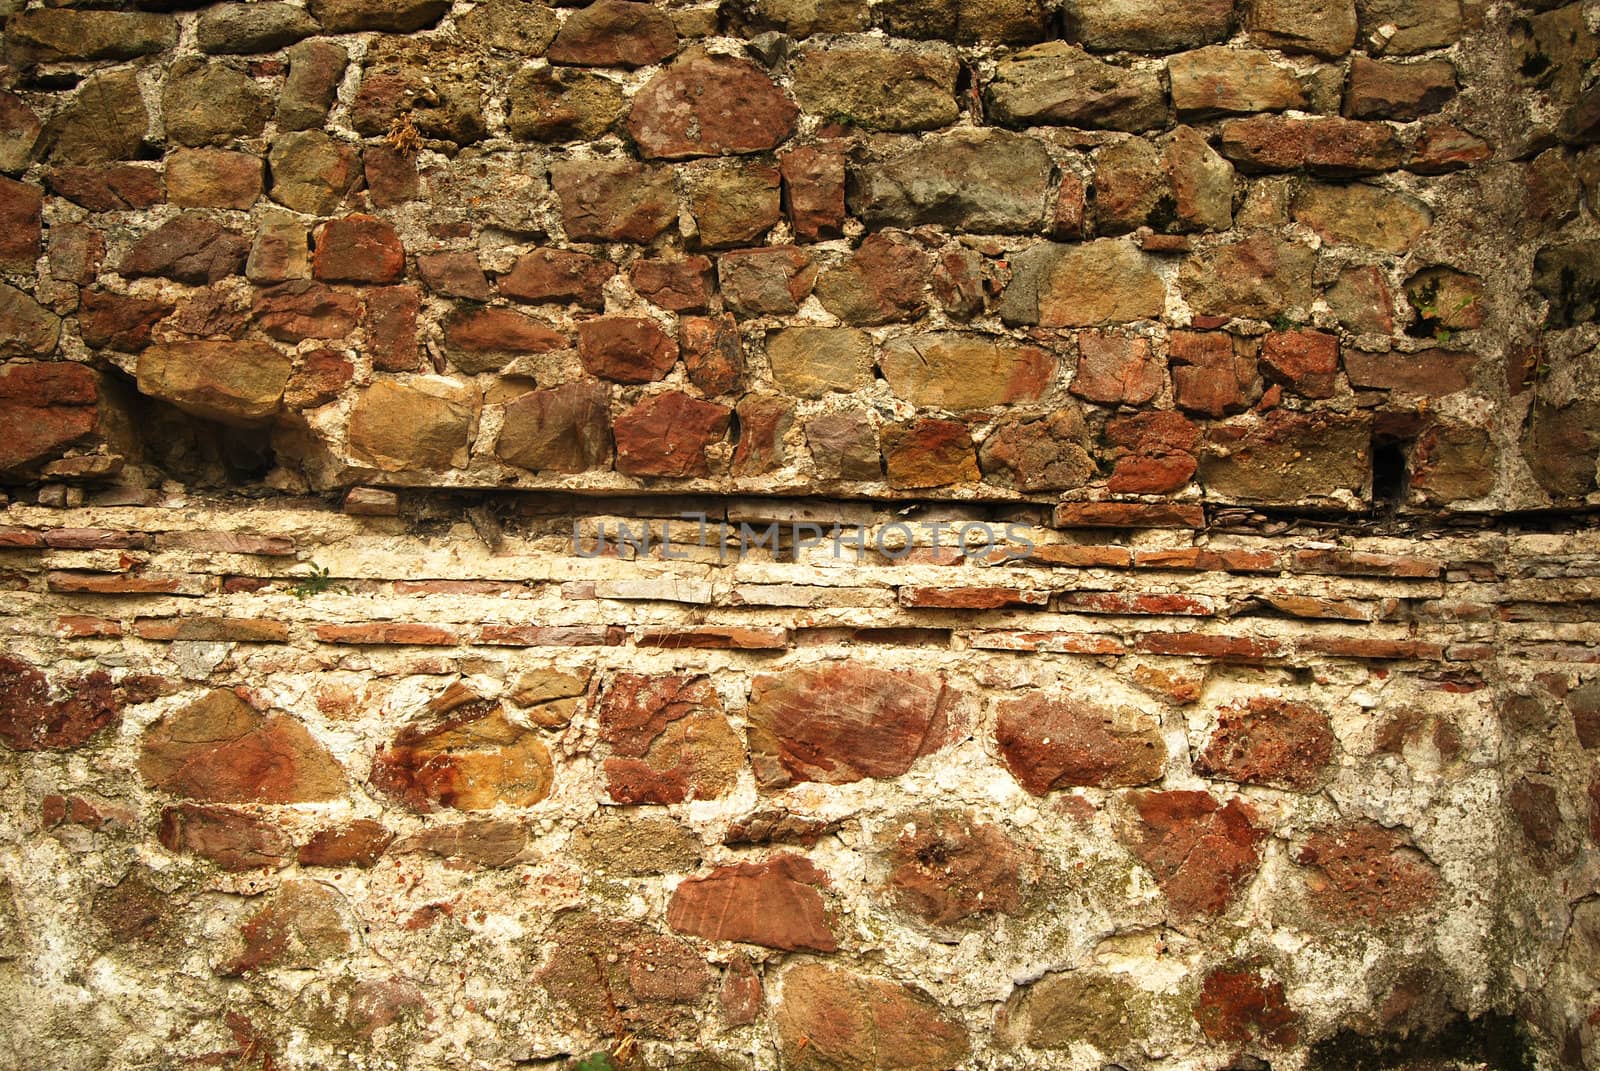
(836,534)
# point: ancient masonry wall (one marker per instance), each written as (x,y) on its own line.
(832,534)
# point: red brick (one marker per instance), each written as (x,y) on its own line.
(95,539)
(973,598)
(388,633)
(1091,557)
(1050,742)
(1116,602)
(1224,648)
(626,349)
(13,538)
(726,638)
(228,543)
(1201,559)
(84,627)
(1128,515)
(460,587)
(1057,642)
(213,629)
(774,903)
(551,635)
(82,583)
(1363,647)
(1201,852)
(358,249)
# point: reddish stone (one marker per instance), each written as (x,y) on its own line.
(455,274)
(921,597)
(21,228)
(1208,376)
(613,970)
(713,354)
(387,634)
(764,419)
(832,1018)
(564,429)
(1444,147)
(1045,454)
(1140,475)
(1270,742)
(392,177)
(231,839)
(614,200)
(774,903)
(558,275)
(1427,374)
(301,926)
(1362,872)
(614,33)
(813,181)
(947,868)
(669,435)
(496,329)
(885,280)
(1050,742)
(296,311)
(213,178)
(1114,369)
(928,453)
(31,719)
(118,322)
(491,842)
(626,349)
(1237,1007)
(76,253)
(108,187)
(670,739)
(772,279)
(1594,810)
(1402,91)
(1537,810)
(1324,145)
(1307,361)
(681,285)
(322,376)
(1201,852)
(840,722)
(740,993)
(187,249)
(707,105)
(473,760)
(358,249)
(1071,214)
(219,750)
(391,323)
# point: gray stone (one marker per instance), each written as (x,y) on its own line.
(211,103)
(1148,25)
(1258,276)
(315,70)
(1060,83)
(106,121)
(1102,282)
(245,28)
(868,85)
(975,180)
(1321,27)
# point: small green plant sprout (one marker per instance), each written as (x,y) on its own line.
(1281,322)
(312,583)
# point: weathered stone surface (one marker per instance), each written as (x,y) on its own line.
(391,323)
(313,173)
(1201,852)
(212,103)
(1568,275)
(281,250)
(556,104)
(844,445)
(19,134)
(1269,742)
(118,322)
(1048,453)
(303,926)
(1426,373)
(965,21)
(27,328)
(1201,182)
(1561,445)
(832,1019)
(315,70)
(1148,25)
(811,361)
(614,200)
(454,274)
(264,26)
(599,968)
(33,719)
(472,760)
(423,423)
(840,722)
(322,376)
(232,839)
(713,354)
(105,121)
(421,82)
(622,842)
(76,254)
(21,230)
(1241,1006)
(615,33)
(358,249)
(706,105)
(47,407)
(977,180)
(1059,83)
(558,275)
(947,868)
(764,420)
(770,280)
(802,18)
(669,738)
(481,339)
(1361,299)
(296,311)
(1060,1011)
(957,371)
(878,88)
(1227,81)
(490,842)
(237,383)
(359,843)
(884,280)
(681,285)
(213,178)
(1321,27)
(626,349)
(1051,742)
(1398,90)
(1100,282)
(1258,276)
(734,204)
(1305,361)
(525,27)
(48,36)
(563,429)
(814,182)
(1451,462)
(928,453)
(1114,369)
(1210,375)
(1404,27)
(1130,188)
(774,903)
(390,16)
(1358,214)
(1282,457)
(188,249)
(1364,873)
(220,750)
(669,435)
(1324,145)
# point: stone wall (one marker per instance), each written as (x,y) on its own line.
(800,534)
